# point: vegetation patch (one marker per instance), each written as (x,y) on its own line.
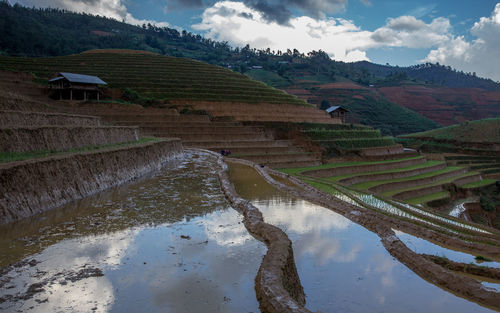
(6,157)
(428,198)
(368,185)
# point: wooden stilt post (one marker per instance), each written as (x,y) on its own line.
(71,94)
(97,96)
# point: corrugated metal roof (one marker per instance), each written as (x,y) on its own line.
(335,108)
(80,78)
(55,79)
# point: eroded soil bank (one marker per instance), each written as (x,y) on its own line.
(33,186)
(166,243)
(338,261)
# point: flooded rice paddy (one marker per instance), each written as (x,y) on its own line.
(166,243)
(342,266)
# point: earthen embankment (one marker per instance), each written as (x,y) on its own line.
(28,118)
(277,283)
(59,138)
(33,186)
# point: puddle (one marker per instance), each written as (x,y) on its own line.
(168,243)
(458,209)
(420,245)
(342,266)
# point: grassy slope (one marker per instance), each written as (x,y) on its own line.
(160,77)
(371,184)
(6,157)
(487,130)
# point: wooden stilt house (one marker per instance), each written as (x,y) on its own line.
(75,86)
(337,112)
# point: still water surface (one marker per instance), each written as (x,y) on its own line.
(167,243)
(342,266)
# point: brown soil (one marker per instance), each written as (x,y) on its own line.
(59,138)
(26,118)
(383,151)
(416,182)
(392,175)
(30,187)
(446,106)
(468,268)
(277,284)
(342,170)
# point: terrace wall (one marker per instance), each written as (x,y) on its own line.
(24,118)
(56,138)
(343,170)
(391,175)
(33,186)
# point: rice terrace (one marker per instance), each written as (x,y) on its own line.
(137,176)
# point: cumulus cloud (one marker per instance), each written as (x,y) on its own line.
(339,37)
(110,8)
(407,31)
(241,24)
(480,55)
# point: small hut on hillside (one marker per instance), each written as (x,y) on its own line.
(75,86)
(337,112)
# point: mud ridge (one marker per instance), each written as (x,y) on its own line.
(468,268)
(462,286)
(33,186)
(277,283)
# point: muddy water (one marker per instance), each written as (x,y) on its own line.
(168,243)
(342,266)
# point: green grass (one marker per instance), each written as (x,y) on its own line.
(427,198)
(269,78)
(480,183)
(160,77)
(370,184)
(325,134)
(296,171)
(360,143)
(391,193)
(6,157)
(403,169)
(486,130)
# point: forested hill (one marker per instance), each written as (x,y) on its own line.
(53,32)
(428,73)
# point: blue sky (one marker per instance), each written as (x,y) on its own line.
(462,34)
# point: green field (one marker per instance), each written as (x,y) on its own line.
(487,130)
(159,77)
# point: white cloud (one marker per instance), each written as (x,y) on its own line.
(480,55)
(239,24)
(110,8)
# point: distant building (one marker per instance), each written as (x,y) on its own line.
(75,86)
(337,112)
(257,67)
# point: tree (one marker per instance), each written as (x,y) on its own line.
(325,104)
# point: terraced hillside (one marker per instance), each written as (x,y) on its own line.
(164,78)
(254,143)
(480,137)
(488,166)
(414,180)
(351,139)
(45,158)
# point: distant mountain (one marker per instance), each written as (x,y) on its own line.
(53,32)
(428,73)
